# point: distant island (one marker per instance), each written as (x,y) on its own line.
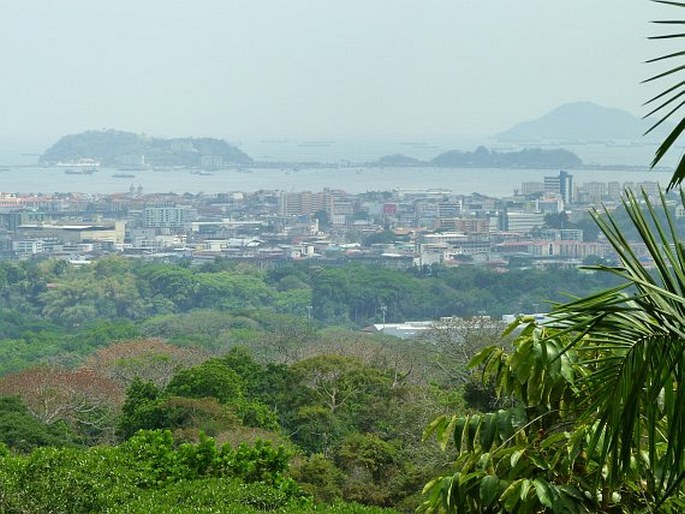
(526,158)
(578,123)
(126,149)
(481,157)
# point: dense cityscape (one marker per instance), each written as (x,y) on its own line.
(542,223)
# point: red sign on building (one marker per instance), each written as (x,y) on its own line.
(390,209)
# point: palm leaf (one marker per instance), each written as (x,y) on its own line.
(668,2)
(636,336)
(677,90)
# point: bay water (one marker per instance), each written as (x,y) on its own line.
(20,173)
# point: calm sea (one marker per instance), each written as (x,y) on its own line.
(18,175)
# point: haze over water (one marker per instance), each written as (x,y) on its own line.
(306,69)
(352,177)
(365,79)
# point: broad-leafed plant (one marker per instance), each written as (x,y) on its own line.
(637,383)
(599,420)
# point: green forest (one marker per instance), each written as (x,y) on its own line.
(126,384)
(133,386)
(51,312)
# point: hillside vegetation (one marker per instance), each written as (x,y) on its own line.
(163,384)
(117,148)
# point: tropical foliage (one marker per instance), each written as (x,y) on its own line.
(56,314)
(118,479)
(348,413)
(596,422)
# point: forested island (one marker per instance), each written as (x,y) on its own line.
(482,157)
(118,148)
(526,158)
(115,148)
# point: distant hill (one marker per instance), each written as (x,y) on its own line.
(578,122)
(526,158)
(117,148)
(398,160)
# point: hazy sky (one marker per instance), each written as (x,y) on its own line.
(314,68)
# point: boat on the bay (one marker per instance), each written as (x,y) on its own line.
(85,171)
(79,163)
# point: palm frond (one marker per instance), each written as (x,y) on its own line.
(676,91)
(669,2)
(635,334)
(663,105)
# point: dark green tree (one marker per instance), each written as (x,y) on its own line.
(22,432)
(212,378)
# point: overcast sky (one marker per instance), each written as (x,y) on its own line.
(314,68)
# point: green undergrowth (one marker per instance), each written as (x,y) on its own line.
(153,473)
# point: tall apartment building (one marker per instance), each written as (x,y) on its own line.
(593,192)
(523,222)
(467,225)
(305,202)
(529,188)
(166,217)
(449,209)
(614,190)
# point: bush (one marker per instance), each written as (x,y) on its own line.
(215,495)
(319,477)
(144,471)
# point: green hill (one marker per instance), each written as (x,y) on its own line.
(526,158)
(118,148)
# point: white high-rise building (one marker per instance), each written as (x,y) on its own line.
(561,185)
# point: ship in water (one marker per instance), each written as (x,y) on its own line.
(84,171)
(317,142)
(79,163)
(123,175)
